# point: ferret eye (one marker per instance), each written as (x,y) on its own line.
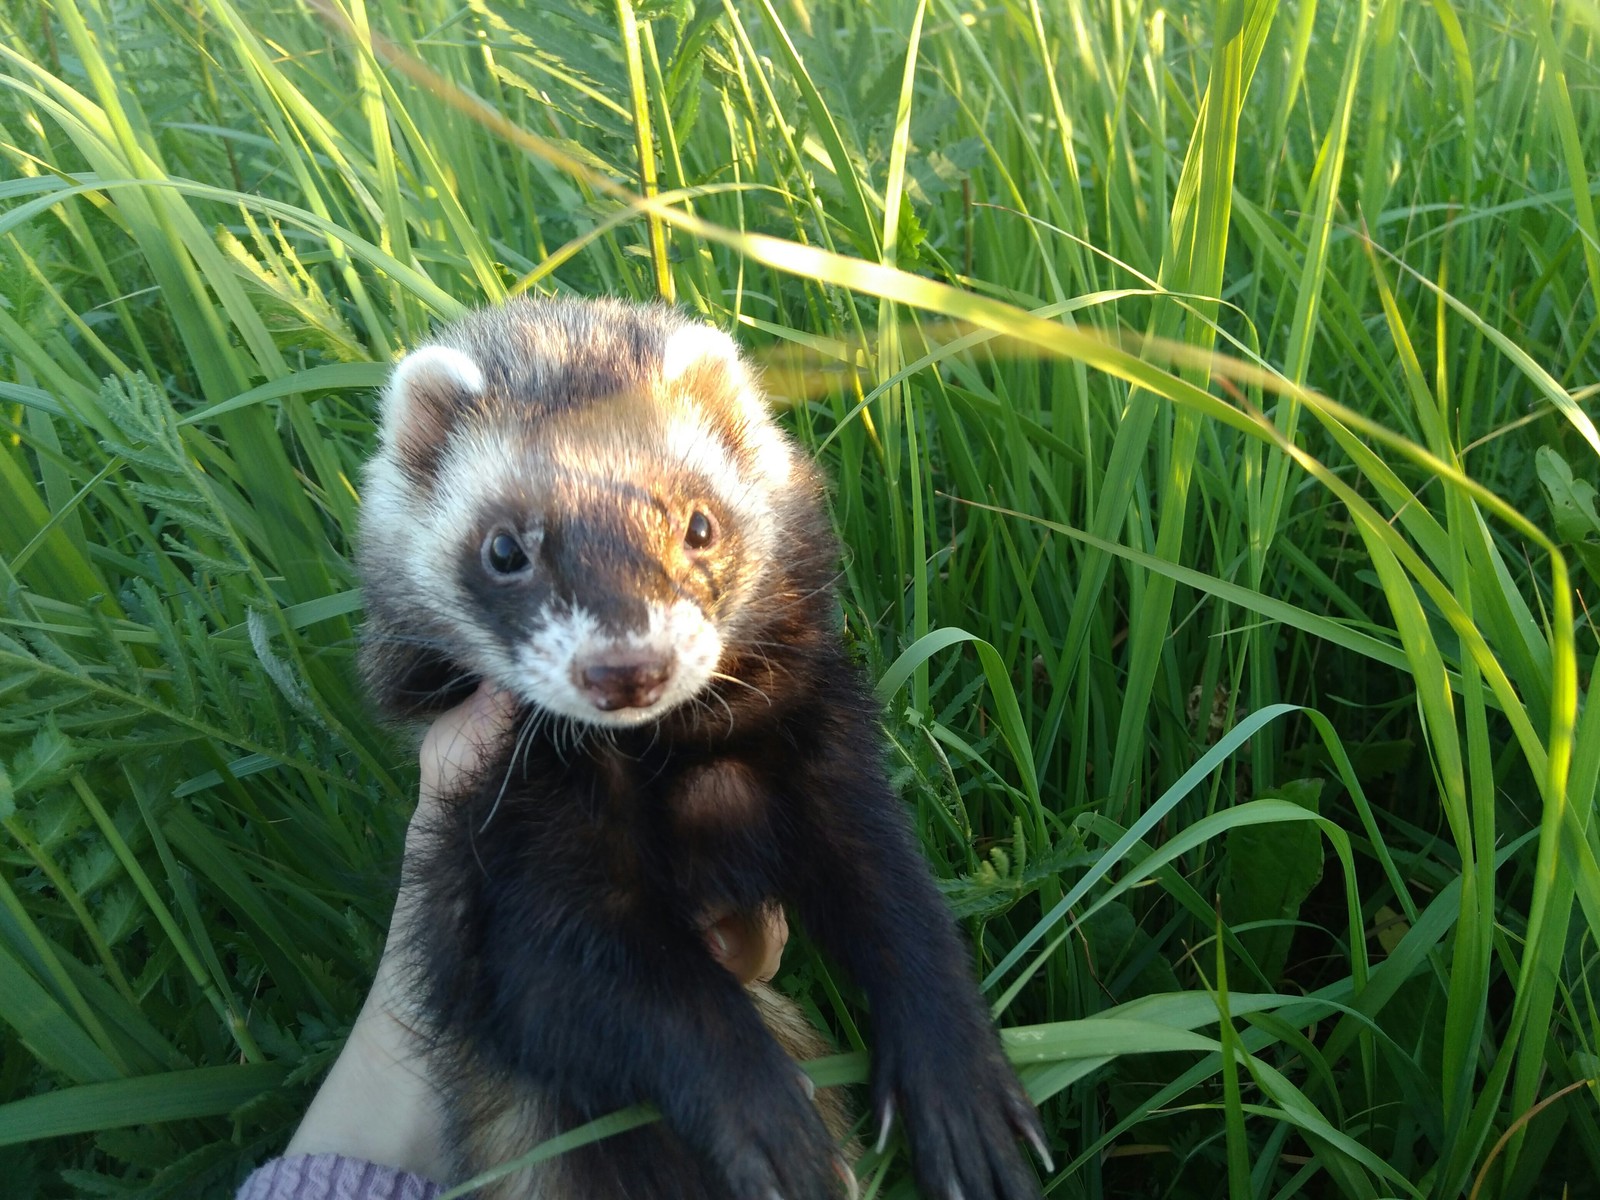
(503,554)
(700,533)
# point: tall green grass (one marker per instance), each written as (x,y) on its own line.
(1208,390)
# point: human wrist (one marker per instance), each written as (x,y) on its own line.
(377,1102)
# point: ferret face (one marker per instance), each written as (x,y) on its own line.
(575,501)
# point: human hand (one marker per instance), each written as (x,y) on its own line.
(378,1102)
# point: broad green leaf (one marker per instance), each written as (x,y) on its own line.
(1572,505)
(1267,872)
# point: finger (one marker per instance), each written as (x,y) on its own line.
(751,947)
(459,740)
(453,750)
(725,938)
(772,934)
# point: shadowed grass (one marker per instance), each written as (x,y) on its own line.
(1182,370)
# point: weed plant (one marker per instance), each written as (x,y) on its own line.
(1207,389)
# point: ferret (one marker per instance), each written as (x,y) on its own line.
(588,504)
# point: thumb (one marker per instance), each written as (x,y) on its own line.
(459,741)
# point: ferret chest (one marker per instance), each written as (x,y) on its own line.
(721,796)
(717,823)
(689,829)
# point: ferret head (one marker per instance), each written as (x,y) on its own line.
(578,501)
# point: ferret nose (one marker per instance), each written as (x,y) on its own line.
(630,679)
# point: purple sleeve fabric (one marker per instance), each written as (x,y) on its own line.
(334,1177)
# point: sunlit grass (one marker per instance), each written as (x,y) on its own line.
(1208,394)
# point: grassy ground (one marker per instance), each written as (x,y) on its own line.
(1205,387)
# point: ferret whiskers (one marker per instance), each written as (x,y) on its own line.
(744,683)
(529,724)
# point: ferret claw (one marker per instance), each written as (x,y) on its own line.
(807,1084)
(1041,1151)
(849,1178)
(884,1121)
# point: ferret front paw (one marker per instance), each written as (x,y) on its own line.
(962,1110)
(774,1146)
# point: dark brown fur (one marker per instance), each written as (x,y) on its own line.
(559,954)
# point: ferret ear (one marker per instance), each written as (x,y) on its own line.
(422,402)
(703,357)
(698,347)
